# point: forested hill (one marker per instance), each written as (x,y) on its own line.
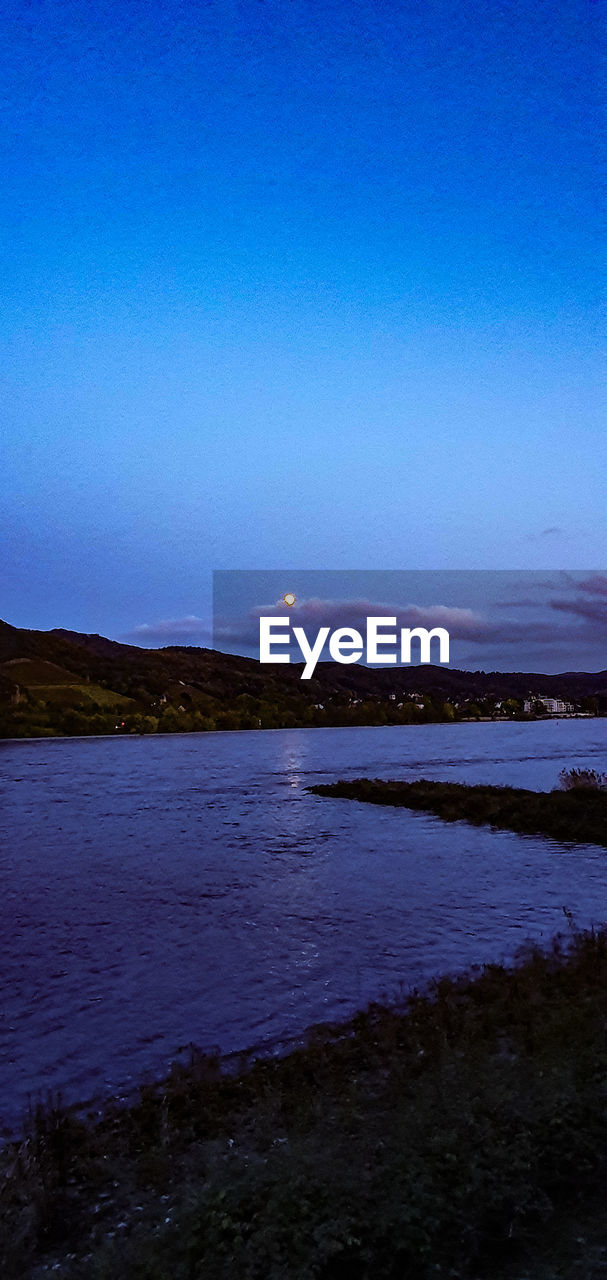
(62,682)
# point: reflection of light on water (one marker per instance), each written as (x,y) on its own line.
(292,763)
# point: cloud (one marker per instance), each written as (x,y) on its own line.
(595,585)
(354,613)
(462,624)
(582,599)
(315,613)
(592,606)
(590,610)
(188,630)
(570,616)
(553,531)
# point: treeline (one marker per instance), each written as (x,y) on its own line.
(39,716)
(63,683)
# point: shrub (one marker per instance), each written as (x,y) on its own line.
(582,780)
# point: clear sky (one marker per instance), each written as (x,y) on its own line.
(309,284)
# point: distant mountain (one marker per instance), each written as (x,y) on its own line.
(65,682)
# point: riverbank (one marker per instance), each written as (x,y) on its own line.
(127,735)
(579,815)
(443,1138)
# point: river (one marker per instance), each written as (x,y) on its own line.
(165,890)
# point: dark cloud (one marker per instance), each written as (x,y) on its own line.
(595,585)
(587,602)
(315,613)
(462,624)
(570,617)
(523,603)
(591,607)
(590,610)
(553,531)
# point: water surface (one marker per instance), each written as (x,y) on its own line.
(166,890)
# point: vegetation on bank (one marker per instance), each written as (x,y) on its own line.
(582,780)
(576,812)
(62,683)
(443,1139)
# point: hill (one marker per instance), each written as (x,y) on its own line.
(63,682)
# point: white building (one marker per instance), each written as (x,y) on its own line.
(553,706)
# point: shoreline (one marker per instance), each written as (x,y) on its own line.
(577,815)
(207,733)
(489,1082)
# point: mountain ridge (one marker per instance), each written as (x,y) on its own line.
(187,687)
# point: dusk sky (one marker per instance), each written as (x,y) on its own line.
(294,284)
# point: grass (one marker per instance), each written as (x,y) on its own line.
(82,695)
(461,1135)
(578,814)
(31,672)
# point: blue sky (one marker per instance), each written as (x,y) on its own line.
(294,284)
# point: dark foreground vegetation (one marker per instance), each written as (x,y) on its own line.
(62,683)
(578,813)
(463,1135)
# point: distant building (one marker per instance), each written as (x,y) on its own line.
(552,706)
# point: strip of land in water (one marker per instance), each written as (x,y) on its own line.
(460,1134)
(579,815)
